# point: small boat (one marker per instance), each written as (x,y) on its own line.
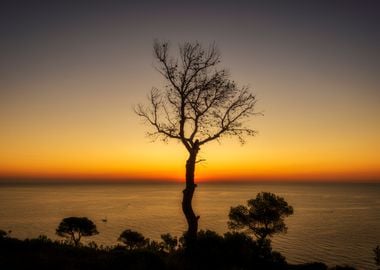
(104,219)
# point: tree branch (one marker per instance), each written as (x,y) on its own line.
(199,103)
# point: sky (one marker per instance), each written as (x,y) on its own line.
(72,71)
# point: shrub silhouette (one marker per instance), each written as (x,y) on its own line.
(169,242)
(153,246)
(132,239)
(76,227)
(263,217)
(234,250)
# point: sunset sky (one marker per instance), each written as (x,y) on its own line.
(71,72)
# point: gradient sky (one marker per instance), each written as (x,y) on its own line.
(71,72)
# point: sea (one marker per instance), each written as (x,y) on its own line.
(334,223)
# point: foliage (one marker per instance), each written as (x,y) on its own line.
(263,217)
(233,250)
(153,245)
(132,239)
(74,228)
(41,254)
(169,242)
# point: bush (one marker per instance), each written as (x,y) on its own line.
(169,242)
(133,239)
(234,250)
(74,228)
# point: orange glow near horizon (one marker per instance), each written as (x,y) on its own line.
(220,165)
(30,176)
(80,148)
(71,152)
(69,82)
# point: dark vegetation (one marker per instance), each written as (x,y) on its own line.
(212,251)
(73,228)
(263,217)
(233,250)
(132,239)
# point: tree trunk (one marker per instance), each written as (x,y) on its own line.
(188,192)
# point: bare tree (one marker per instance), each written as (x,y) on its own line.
(199,104)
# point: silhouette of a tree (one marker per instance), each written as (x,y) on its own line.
(199,104)
(76,227)
(263,217)
(132,239)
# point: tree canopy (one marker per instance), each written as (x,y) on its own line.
(132,239)
(263,216)
(76,227)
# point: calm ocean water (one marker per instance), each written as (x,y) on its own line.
(332,223)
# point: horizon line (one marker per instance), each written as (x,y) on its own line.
(105,180)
